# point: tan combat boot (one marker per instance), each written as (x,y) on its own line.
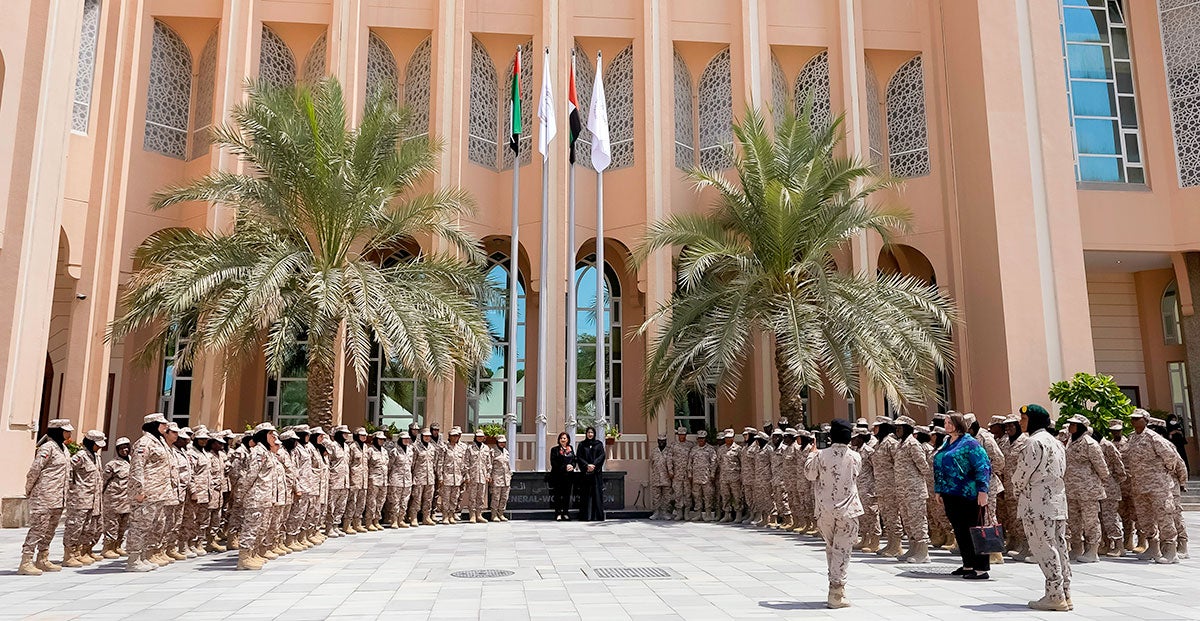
(1169,555)
(267,553)
(837,597)
(44,563)
(474,517)
(247,561)
(918,553)
(70,558)
(1151,552)
(1091,553)
(110,549)
(892,550)
(27,568)
(85,555)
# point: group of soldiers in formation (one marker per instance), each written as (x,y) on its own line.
(178,493)
(1119,494)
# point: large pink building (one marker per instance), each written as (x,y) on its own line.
(1051,150)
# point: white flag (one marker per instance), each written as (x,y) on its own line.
(597,123)
(549,127)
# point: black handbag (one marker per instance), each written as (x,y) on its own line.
(987,539)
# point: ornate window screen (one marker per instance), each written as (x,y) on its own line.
(779,88)
(86,66)
(482,120)
(1100,92)
(528,105)
(382,73)
(908,142)
(685,121)
(716,112)
(314,63)
(1179,21)
(585,75)
(417,84)
(813,82)
(618,92)
(874,118)
(168,95)
(206,85)
(276,65)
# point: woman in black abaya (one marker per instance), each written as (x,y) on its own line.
(562,476)
(591,474)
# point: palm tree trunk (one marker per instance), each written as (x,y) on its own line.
(320,394)
(791,402)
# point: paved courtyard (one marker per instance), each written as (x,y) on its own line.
(713,572)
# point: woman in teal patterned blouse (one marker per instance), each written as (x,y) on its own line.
(961,472)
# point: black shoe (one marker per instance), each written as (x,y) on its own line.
(976,575)
(961,571)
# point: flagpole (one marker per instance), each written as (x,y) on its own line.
(545,296)
(572,390)
(513,272)
(601,333)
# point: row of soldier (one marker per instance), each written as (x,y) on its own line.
(179,493)
(1116,486)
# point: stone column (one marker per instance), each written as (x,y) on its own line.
(1191,333)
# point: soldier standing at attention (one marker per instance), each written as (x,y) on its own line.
(258,487)
(793,474)
(400,480)
(729,477)
(377,474)
(199,493)
(703,468)
(660,479)
(834,473)
(1042,505)
(478,468)
(500,479)
(1017,541)
(749,458)
(339,481)
(310,473)
(782,515)
(150,488)
(763,496)
(680,459)
(1084,481)
(911,472)
(424,459)
(359,482)
(1152,464)
(83,502)
(1112,542)
(220,483)
(868,523)
(172,540)
(115,505)
(454,466)
(883,463)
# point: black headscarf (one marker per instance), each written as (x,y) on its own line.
(840,431)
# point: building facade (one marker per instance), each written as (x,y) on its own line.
(1050,151)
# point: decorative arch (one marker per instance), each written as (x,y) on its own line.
(813,82)
(382,73)
(585,75)
(905,259)
(527,108)
(1179,24)
(874,118)
(314,62)
(206,86)
(482,120)
(685,113)
(85,66)
(168,95)
(418,79)
(618,93)
(276,64)
(907,138)
(716,112)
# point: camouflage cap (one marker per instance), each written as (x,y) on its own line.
(1078,419)
(121,441)
(290,434)
(1139,413)
(501,439)
(264,427)
(60,423)
(905,421)
(997,420)
(97,437)
(156,417)
(1116,425)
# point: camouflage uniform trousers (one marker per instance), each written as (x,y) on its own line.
(233,515)
(779,498)
(1110,521)
(115,525)
(1012,525)
(171,532)
(421,502)
(916,520)
(731,494)
(1128,513)
(397,502)
(41,531)
(1048,545)
(356,504)
(801,500)
(450,497)
(839,534)
(661,498)
(889,512)
(1181,535)
(80,528)
(297,514)
(704,497)
(214,525)
(195,521)
(499,499)
(276,516)
(337,507)
(146,524)
(1156,516)
(476,496)
(254,527)
(936,514)
(868,522)
(764,498)
(1083,521)
(681,494)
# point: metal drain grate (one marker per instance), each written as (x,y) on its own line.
(630,573)
(480,574)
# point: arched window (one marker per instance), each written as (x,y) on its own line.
(276,65)
(1102,108)
(175,386)
(85,66)
(168,97)
(1180,21)
(779,88)
(482,123)
(585,75)
(685,113)
(487,395)
(874,118)
(527,107)
(314,62)
(394,395)
(813,82)
(206,85)
(1169,306)
(908,143)
(418,78)
(716,112)
(618,95)
(585,330)
(382,74)
(287,395)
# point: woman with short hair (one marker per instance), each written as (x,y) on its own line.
(961,474)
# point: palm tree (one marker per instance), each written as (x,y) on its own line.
(302,272)
(760,263)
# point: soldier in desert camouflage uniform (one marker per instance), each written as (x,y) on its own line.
(400,481)
(500,479)
(83,502)
(1112,540)
(151,476)
(702,468)
(749,458)
(424,477)
(1037,479)
(199,493)
(680,456)
(868,522)
(781,515)
(114,485)
(764,496)
(834,472)
(453,474)
(337,451)
(259,488)
(172,543)
(660,479)
(1018,543)
(886,495)
(911,468)
(478,470)
(792,473)
(1153,463)
(356,456)
(1084,480)
(729,478)
(377,480)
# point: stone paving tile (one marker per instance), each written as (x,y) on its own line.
(724,572)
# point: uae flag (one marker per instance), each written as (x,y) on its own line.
(573,108)
(514,142)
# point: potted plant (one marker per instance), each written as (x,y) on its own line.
(611,433)
(490,432)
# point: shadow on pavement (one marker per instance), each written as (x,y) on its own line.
(775,605)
